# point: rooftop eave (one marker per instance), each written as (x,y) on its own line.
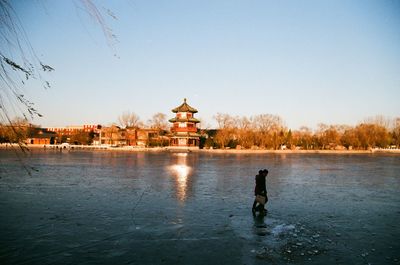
(184,107)
(184,120)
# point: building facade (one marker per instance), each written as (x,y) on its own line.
(81,134)
(130,136)
(68,130)
(184,126)
(41,136)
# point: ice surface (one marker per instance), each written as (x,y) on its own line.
(164,208)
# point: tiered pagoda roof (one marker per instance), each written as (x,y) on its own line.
(175,119)
(184,108)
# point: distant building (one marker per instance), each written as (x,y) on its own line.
(40,136)
(130,136)
(80,134)
(184,126)
(151,137)
(68,130)
(112,136)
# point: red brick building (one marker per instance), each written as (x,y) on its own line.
(40,136)
(184,126)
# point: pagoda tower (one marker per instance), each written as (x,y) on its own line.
(184,128)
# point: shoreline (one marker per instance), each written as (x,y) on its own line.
(392,151)
(214,151)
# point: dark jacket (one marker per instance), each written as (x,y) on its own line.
(260,188)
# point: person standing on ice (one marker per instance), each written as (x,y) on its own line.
(260,191)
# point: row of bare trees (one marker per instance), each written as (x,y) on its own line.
(361,137)
(268,131)
(265,131)
(132,120)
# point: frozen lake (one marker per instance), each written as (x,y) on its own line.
(81,207)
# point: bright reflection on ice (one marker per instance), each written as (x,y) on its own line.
(181,172)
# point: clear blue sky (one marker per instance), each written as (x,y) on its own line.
(336,62)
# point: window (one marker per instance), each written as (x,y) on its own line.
(182,125)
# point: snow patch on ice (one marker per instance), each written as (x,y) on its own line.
(282,228)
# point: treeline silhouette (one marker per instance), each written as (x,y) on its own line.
(263,131)
(268,131)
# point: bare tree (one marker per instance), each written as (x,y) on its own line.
(224,120)
(245,132)
(396,132)
(305,137)
(158,121)
(379,120)
(16,133)
(129,119)
(269,130)
(19,62)
(267,122)
(226,125)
